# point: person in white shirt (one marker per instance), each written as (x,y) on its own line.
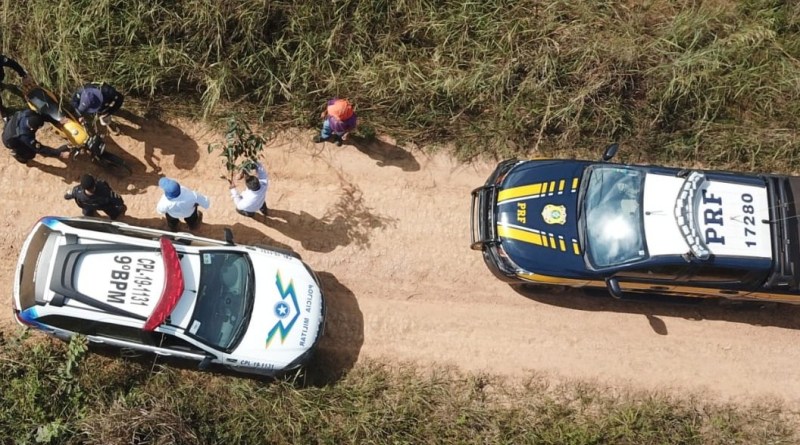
(180,202)
(254,198)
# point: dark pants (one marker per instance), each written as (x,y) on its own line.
(192,220)
(263,210)
(114,107)
(20,159)
(23,155)
(110,96)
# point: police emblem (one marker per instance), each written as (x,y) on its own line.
(554,214)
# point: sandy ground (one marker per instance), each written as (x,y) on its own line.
(388,229)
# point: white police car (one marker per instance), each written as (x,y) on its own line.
(250,309)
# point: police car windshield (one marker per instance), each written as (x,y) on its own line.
(612,217)
(224,299)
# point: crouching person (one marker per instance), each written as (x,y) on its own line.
(93,195)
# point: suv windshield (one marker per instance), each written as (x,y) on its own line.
(612,217)
(224,299)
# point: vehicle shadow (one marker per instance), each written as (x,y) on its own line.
(340,345)
(758,313)
(159,135)
(384,153)
(349,220)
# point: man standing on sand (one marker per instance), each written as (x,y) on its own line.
(93,195)
(180,202)
(254,198)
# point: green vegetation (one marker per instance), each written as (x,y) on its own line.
(677,81)
(242,148)
(56,393)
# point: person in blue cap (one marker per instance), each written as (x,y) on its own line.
(96,99)
(180,202)
(19,136)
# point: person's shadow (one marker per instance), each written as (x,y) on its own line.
(759,313)
(349,220)
(385,154)
(340,345)
(71,170)
(67,171)
(159,135)
(242,234)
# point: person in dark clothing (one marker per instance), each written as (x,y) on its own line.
(19,136)
(93,195)
(5,113)
(99,99)
(10,63)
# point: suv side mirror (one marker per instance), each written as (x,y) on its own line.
(610,151)
(205,363)
(613,288)
(228,236)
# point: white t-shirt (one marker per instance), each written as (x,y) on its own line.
(182,206)
(251,201)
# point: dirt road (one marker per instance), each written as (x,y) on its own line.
(389,230)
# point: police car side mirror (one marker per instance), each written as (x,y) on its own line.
(610,151)
(228,236)
(205,363)
(613,288)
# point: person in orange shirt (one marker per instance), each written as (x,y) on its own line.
(339,120)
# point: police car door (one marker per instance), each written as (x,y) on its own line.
(652,279)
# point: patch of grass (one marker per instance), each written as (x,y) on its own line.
(55,393)
(492,78)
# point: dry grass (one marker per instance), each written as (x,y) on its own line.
(496,78)
(54,393)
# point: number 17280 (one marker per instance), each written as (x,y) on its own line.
(749,218)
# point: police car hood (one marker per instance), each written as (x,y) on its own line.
(537,218)
(706,214)
(287,312)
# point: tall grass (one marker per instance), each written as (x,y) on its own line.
(494,77)
(55,393)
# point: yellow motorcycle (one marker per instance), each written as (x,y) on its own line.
(80,138)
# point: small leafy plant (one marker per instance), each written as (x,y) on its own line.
(242,147)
